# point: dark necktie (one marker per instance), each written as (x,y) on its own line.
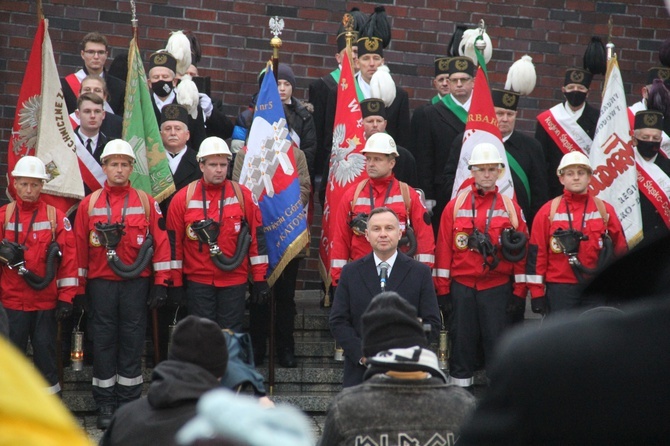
(383,274)
(88,146)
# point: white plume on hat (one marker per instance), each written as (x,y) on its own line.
(188,96)
(382,85)
(521,76)
(180,47)
(467,46)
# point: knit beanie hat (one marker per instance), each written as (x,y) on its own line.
(390,322)
(286,73)
(201,342)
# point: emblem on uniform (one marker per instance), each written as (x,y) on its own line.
(577,77)
(140,239)
(238,226)
(461,65)
(190,234)
(443,64)
(650,120)
(93,239)
(509,100)
(664,74)
(555,247)
(160,59)
(372,43)
(66,224)
(461,241)
(157,208)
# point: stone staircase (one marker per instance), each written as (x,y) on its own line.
(310,386)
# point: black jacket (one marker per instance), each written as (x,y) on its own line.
(552,154)
(300,120)
(319,93)
(653,225)
(171,401)
(116,88)
(358,284)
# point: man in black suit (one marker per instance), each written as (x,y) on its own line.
(90,140)
(443,122)
(94,53)
(567,126)
(599,379)
(363,279)
(175,135)
(112,125)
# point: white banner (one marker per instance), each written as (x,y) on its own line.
(612,158)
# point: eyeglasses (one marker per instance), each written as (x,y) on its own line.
(94,52)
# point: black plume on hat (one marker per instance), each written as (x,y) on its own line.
(390,322)
(452,48)
(664,53)
(196,52)
(200,341)
(378,26)
(595,57)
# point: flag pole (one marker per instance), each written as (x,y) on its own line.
(276,26)
(40,12)
(348,22)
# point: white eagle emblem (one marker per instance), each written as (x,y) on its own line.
(345,166)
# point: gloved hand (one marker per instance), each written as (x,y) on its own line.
(81,302)
(63,310)
(515,304)
(157,296)
(539,305)
(176,295)
(206,105)
(446,304)
(259,292)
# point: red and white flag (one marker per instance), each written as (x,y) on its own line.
(42,128)
(347,164)
(612,157)
(481,127)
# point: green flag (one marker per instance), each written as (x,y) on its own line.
(152,171)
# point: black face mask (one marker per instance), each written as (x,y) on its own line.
(161,88)
(648,149)
(575,98)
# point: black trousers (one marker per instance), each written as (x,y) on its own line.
(478,316)
(118,325)
(568,296)
(223,305)
(259,315)
(40,327)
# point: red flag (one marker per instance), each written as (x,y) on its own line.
(42,128)
(481,127)
(347,164)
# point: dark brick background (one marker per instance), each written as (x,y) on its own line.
(235,39)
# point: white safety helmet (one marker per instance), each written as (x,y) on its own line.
(575,158)
(30,167)
(213,146)
(485,153)
(117,147)
(381,143)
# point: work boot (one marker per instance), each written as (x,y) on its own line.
(287,358)
(105,414)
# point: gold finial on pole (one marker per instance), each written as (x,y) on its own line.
(276,27)
(348,24)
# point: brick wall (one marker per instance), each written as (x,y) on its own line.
(235,39)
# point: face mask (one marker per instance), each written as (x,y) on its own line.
(575,98)
(161,88)
(648,149)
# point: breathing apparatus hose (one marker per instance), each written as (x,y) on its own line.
(39,283)
(514,244)
(133,270)
(243,242)
(410,240)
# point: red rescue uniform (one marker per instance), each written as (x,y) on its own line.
(191,257)
(386,192)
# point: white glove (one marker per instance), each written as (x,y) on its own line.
(206,105)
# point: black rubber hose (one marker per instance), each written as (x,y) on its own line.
(409,239)
(133,270)
(39,283)
(513,241)
(243,243)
